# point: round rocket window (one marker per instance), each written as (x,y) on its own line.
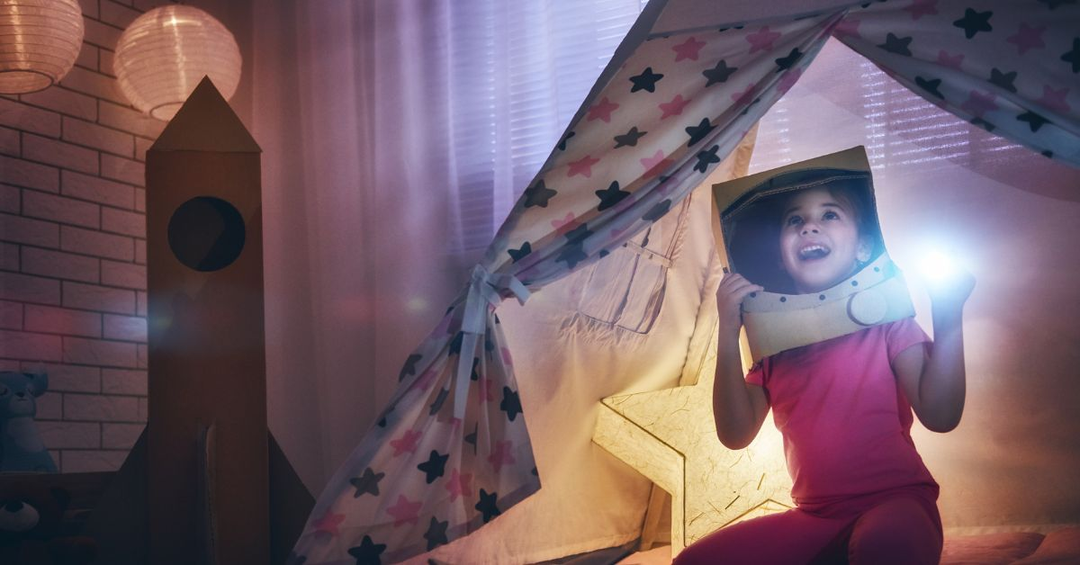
(206,233)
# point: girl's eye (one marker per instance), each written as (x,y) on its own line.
(830,215)
(794,221)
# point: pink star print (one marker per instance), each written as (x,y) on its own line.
(655,165)
(404,511)
(1055,99)
(745,97)
(979,103)
(425,380)
(1027,38)
(406,442)
(762,40)
(560,223)
(847,27)
(602,111)
(484,392)
(688,49)
(458,485)
(920,8)
(673,108)
(329,523)
(582,167)
(507,360)
(952,61)
(501,455)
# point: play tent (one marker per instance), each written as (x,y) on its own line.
(450,451)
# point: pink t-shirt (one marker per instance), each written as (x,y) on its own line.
(845,420)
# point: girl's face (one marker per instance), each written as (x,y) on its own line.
(819,240)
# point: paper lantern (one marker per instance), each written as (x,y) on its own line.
(39,41)
(164,54)
(669,436)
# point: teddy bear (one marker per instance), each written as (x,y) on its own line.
(33,530)
(21,449)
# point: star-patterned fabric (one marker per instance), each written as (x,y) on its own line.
(451,451)
(1010,67)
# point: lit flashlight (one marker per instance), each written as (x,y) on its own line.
(937,266)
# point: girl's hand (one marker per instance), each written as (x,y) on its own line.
(729,297)
(948,294)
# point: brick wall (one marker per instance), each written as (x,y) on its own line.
(73,249)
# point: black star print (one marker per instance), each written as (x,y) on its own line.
(603,253)
(440,399)
(368,483)
(706,158)
(471,438)
(1055,3)
(1073,55)
(488,505)
(520,253)
(368,552)
(658,211)
(511,403)
(646,80)
(455,344)
(786,63)
(475,376)
(572,255)
(562,142)
(1004,80)
(538,195)
(1034,120)
(983,124)
(719,73)
(973,22)
(930,85)
(410,366)
(611,196)
(436,534)
(1048,154)
(629,138)
(898,45)
(698,132)
(434,467)
(489,345)
(579,233)
(382,422)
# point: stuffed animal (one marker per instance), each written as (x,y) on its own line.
(33,530)
(21,449)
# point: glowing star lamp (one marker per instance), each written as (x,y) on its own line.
(166,52)
(937,266)
(39,41)
(669,436)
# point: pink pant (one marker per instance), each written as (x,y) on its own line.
(901,528)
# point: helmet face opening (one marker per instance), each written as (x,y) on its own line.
(752,223)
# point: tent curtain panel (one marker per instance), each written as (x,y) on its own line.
(451,450)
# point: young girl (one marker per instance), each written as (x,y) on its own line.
(843,406)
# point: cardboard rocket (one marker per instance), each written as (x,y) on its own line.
(747,227)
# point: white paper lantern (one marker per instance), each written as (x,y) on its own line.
(39,41)
(164,53)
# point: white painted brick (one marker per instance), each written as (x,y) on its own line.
(25,288)
(123,170)
(10,199)
(140,251)
(100,408)
(97,189)
(141,299)
(58,264)
(11,315)
(144,356)
(50,406)
(9,141)
(60,435)
(127,275)
(17,229)
(93,83)
(93,135)
(99,298)
(140,200)
(29,346)
(116,14)
(32,175)
(61,209)
(106,61)
(89,8)
(99,352)
(144,409)
(29,118)
(97,243)
(69,378)
(9,256)
(53,320)
(88,57)
(64,101)
(100,34)
(123,381)
(126,328)
(121,117)
(120,436)
(124,222)
(141,145)
(65,155)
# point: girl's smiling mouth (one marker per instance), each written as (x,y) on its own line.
(813,251)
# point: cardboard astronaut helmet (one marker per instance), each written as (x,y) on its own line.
(751,210)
